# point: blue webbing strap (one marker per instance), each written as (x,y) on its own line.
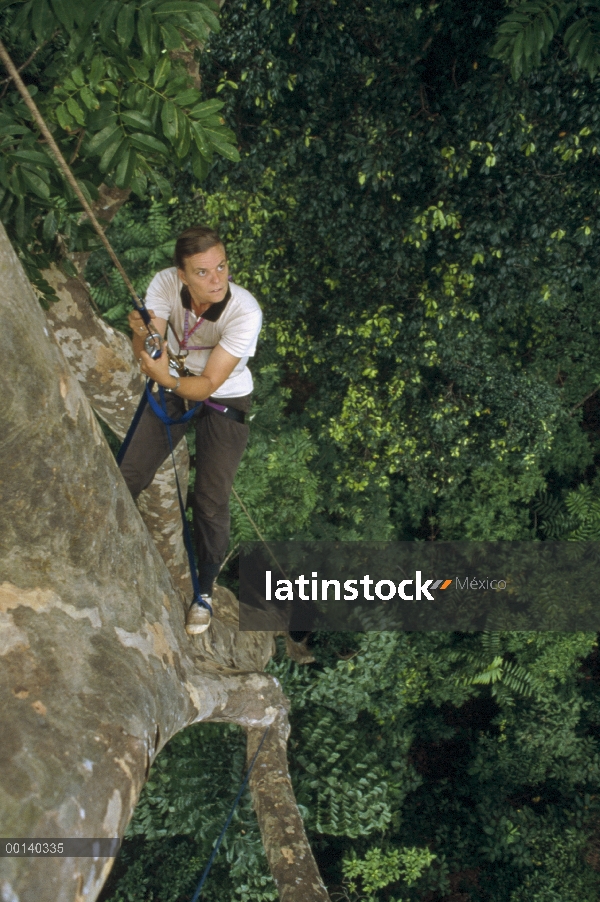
(227,822)
(146,398)
(161,411)
(134,424)
(146,319)
(187,539)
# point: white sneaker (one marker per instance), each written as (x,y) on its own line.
(198,617)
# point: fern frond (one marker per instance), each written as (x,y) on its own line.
(582,40)
(527,31)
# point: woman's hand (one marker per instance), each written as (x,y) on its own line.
(157,370)
(136,323)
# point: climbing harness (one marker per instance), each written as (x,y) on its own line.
(214,852)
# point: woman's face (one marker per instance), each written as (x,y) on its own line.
(206,275)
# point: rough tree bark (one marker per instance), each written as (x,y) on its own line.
(96,671)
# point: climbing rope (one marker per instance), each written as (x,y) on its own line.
(66,171)
(196,895)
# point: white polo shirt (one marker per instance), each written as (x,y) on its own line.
(234,325)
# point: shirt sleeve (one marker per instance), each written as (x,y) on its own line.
(241,333)
(162,293)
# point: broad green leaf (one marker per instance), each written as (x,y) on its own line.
(109,157)
(184,98)
(89,98)
(13,129)
(171,37)
(49,226)
(222,134)
(175,85)
(517,55)
(226,150)
(90,192)
(129,96)
(64,12)
(169,120)
(136,120)
(100,118)
(210,18)
(143,95)
(200,165)
(197,30)
(33,156)
(140,70)
(37,185)
(152,109)
(144,29)
(585,49)
(184,134)
(16,184)
(201,141)
(148,143)
(215,122)
(173,7)
(206,108)
(126,24)
(139,185)
(42,20)
(548,28)
(64,119)
(78,76)
(152,56)
(107,19)
(163,185)
(161,72)
(126,168)
(86,13)
(76,111)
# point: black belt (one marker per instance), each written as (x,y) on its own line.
(225,411)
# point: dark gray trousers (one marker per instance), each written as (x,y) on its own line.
(220,443)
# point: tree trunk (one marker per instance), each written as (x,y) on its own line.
(102,360)
(96,671)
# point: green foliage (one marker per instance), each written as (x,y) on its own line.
(433,303)
(180,814)
(275,479)
(576,519)
(120,102)
(145,244)
(378,869)
(526,33)
(411,779)
(501,674)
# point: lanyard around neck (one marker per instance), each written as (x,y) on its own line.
(187,334)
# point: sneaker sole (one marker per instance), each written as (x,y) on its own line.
(196,629)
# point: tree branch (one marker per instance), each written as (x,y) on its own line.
(291,862)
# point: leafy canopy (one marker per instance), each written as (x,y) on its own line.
(115,83)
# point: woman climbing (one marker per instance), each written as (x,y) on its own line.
(212,326)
